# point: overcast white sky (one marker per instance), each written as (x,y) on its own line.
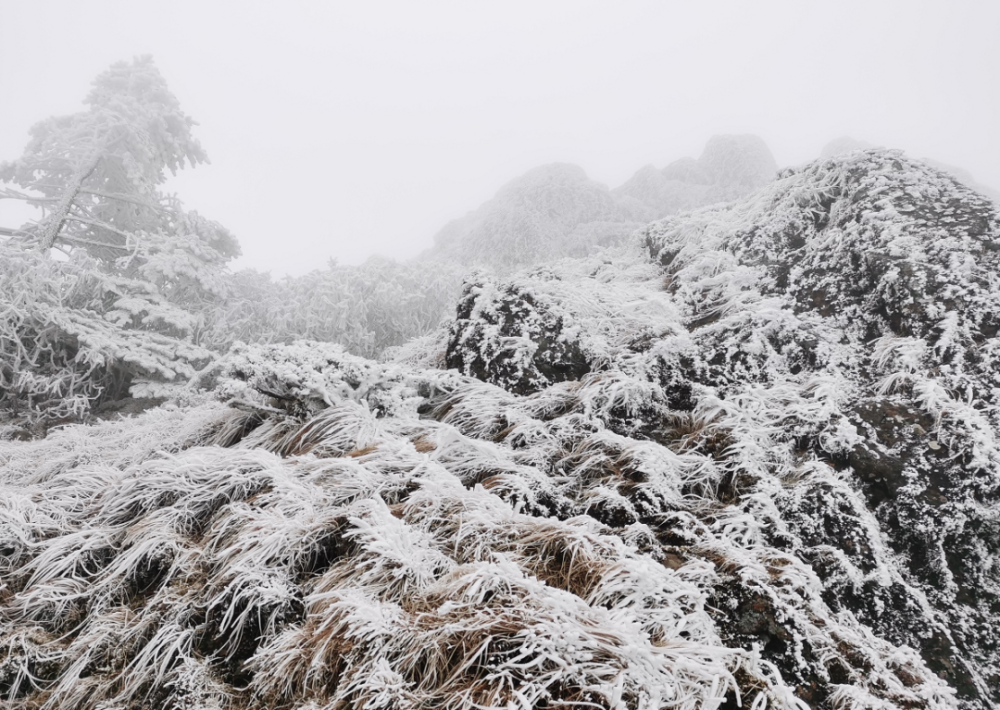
(343,129)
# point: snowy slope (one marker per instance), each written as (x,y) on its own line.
(747,459)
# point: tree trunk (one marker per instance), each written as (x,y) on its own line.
(61,211)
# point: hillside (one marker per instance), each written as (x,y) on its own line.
(555,210)
(747,459)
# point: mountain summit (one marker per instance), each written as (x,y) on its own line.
(729,167)
(551,211)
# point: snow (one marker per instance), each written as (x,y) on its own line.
(694,469)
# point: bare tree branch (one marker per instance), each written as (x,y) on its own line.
(98,224)
(91,242)
(9,194)
(123,198)
(61,212)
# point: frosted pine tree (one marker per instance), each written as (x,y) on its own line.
(121,302)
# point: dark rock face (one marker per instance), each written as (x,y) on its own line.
(504,336)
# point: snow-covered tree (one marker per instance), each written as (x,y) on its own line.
(136,266)
(97,177)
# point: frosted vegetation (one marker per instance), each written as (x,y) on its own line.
(121,304)
(743,456)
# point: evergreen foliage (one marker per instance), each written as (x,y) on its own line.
(97,175)
(121,304)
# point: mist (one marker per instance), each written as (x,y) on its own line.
(339,131)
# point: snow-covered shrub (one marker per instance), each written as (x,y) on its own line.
(502,335)
(73,337)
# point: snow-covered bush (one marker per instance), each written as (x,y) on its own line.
(73,337)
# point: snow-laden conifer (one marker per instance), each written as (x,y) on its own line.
(120,305)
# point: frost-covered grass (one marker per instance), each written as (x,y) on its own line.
(234,575)
(400,560)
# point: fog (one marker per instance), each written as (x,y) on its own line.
(349,129)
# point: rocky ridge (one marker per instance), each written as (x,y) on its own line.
(555,210)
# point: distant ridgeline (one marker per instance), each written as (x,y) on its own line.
(747,457)
(556,210)
(551,212)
